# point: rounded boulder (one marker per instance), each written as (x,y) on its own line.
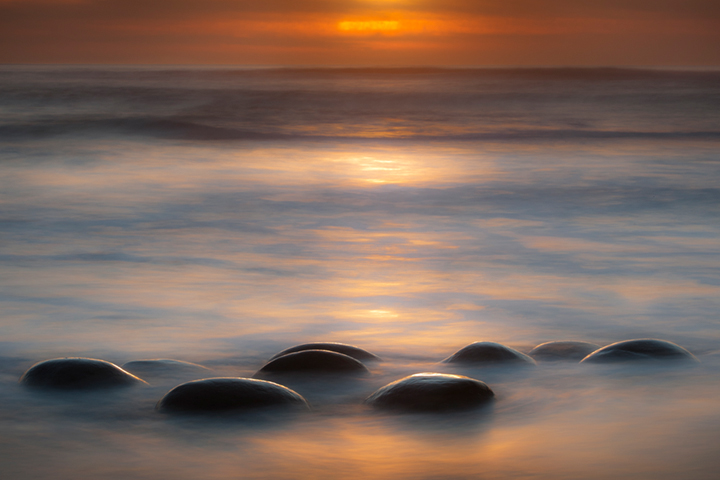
(226,394)
(638,350)
(78,374)
(314,361)
(489,353)
(432,392)
(355,352)
(563,350)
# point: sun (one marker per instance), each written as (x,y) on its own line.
(369,26)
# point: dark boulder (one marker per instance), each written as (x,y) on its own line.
(78,374)
(349,350)
(640,349)
(563,350)
(224,394)
(489,353)
(432,392)
(314,361)
(164,367)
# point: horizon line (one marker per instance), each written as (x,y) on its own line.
(366,66)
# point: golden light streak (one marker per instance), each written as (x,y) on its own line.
(392,26)
(373,25)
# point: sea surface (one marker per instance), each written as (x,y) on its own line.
(220,215)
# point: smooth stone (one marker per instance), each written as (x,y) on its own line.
(489,353)
(224,394)
(432,392)
(349,350)
(640,349)
(78,374)
(164,366)
(563,350)
(314,361)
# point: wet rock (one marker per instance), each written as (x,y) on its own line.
(164,367)
(432,392)
(225,394)
(78,374)
(640,349)
(489,353)
(349,350)
(563,350)
(314,361)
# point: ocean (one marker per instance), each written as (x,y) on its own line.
(219,215)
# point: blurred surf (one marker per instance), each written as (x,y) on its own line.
(219,216)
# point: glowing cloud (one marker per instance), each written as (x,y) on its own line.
(361,32)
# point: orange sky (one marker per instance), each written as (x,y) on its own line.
(362,32)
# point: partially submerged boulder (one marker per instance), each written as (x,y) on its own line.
(164,367)
(228,394)
(78,374)
(489,353)
(563,350)
(638,350)
(349,350)
(432,392)
(314,361)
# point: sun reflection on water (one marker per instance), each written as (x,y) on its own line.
(382,170)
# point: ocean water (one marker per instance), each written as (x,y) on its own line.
(220,215)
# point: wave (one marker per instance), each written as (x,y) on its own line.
(222,104)
(145,127)
(175,129)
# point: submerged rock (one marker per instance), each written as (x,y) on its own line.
(432,392)
(163,366)
(563,350)
(349,350)
(224,394)
(314,361)
(640,349)
(489,353)
(78,374)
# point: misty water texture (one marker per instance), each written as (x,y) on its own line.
(221,215)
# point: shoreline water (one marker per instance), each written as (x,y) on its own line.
(219,216)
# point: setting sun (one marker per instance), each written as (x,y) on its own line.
(369,26)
